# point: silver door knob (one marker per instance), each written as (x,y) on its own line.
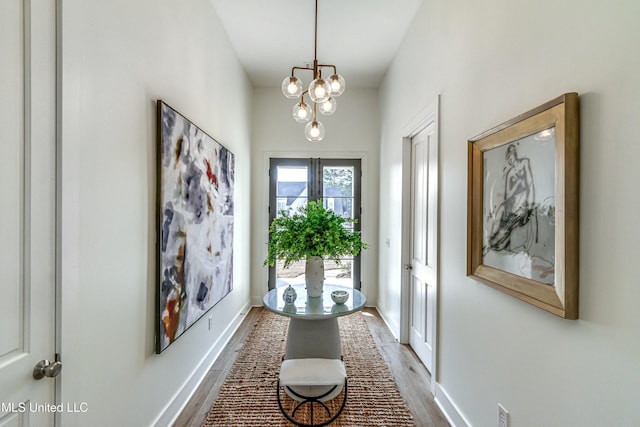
(44,368)
(408,267)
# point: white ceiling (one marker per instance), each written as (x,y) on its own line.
(359,37)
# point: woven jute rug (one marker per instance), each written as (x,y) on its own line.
(248,396)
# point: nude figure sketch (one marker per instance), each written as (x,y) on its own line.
(519,209)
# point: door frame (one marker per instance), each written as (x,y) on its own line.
(40,87)
(424,118)
(58,204)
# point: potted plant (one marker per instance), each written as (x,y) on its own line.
(312,234)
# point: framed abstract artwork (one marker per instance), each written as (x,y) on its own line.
(195,224)
(522,216)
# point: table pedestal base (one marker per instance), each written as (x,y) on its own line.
(308,338)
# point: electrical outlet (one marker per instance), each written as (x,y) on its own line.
(503,416)
(210,321)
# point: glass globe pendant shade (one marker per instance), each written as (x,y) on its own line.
(301,112)
(319,90)
(337,84)
(291,87)
(328,107)
(314,131)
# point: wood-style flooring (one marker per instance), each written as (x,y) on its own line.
(412,377)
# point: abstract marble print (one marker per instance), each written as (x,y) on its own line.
(196,180)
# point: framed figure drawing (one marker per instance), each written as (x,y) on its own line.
(522,218)
(195,224)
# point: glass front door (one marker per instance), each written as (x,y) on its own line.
(334,181)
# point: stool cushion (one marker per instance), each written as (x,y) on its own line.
(299,372)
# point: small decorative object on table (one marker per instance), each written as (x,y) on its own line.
(289,295)
(339,297)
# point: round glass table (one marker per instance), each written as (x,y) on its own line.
(313,328)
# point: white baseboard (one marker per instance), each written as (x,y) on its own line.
(256,301)
(449,409)
(175,406)
(393,327)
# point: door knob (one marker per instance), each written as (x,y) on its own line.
(44,368)
(408,267)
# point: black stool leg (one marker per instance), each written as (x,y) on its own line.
(311,400)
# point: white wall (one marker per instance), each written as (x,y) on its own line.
(491,61)
(352,131)
(118,58)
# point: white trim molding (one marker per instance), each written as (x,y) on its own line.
(429,114)
(448,408)
(393,326)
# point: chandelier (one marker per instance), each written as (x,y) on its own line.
(321,91)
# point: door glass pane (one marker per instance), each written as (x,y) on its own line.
(342,206)
(337,189)
(338,195)
(291,188)
(339,274)
(294,274)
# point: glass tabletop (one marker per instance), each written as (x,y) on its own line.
(322,307)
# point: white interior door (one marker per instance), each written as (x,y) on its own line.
(424,209)
(27,213)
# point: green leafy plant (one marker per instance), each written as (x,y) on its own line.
(313,231)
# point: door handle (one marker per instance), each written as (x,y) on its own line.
(44,368)
(408,267)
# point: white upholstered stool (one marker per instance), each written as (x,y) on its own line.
(312,381)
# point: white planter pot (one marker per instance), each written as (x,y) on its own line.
(314,276)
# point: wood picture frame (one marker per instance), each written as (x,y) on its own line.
(522,217)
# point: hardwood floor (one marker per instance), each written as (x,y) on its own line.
(412,377)
(196,410)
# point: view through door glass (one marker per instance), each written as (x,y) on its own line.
(334,181)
